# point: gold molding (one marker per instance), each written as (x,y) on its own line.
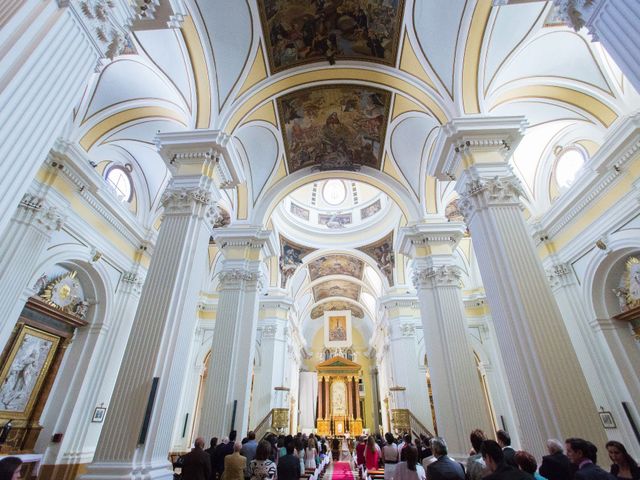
(410,63)
(200,72)
(257,73)
(471,62)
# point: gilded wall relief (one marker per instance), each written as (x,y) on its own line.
(382,252)
(336,265)
(336,288)
(303,31)
(291,255)
(336,305)
(334,128)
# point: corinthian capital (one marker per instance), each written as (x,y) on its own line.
(443,276)
(238,278)
(480,192)
(33,210)
(182,199)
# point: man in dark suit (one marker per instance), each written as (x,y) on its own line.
(556,465)
(445,467)
(289,464)
(583,454)
(504,440)
(493,457)
(196,465)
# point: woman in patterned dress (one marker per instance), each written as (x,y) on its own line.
(262,468)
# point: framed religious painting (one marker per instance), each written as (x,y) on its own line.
(337,328)
(24,371)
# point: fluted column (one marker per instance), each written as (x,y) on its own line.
(457,393)
(20,248)
(549,390)
(234,337)
(163,327)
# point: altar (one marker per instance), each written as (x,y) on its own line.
(339,409)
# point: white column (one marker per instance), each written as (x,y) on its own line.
(273,336)
(549,390)
(164,325)
(457,393)
(20,248)
(233,347)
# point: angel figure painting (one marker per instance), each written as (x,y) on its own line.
(338,329)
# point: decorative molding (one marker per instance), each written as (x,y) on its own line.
(484,192)
(47,217)
(443,276)
(575,13)
(133,282)
(235,278)
(559,275)
(407,330)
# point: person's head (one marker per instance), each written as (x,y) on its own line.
(251,435)
(504,440)
(389,438)
(213,442)
(237,446)
(371,443)
(491,454)
(411,457)
(477,437)
(526,462)
(224,440)
(406,438)
(438,446)
(263,450)
(290,446)
(10,468)
(554,446)
(232,435)
(579,450)
(418,442)
(199,443)
(618,454)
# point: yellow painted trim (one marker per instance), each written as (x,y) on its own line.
(243,201)
(590,146)
(431,197)
(471,62)
(561,94)
(257,73)
(200,72)
(281,172)
(410,63)
(390,168)
(402,104)
(102,166)
(266,113)
(336,75)
(207,314)
(114,121)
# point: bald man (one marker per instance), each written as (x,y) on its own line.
(197,463)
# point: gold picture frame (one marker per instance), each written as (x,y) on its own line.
(24,371)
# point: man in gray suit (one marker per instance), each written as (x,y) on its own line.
(445,467)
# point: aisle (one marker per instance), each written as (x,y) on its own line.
(339,471)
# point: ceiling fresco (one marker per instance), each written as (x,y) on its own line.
(303,31)
(382,252)
(336,265)
(291,255)
(336,288)
(334,306)
(334,128)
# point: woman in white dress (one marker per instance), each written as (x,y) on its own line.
(390,456)
(310,454)
(410,469)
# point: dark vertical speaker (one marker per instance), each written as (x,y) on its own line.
(233,415)
(627,410)
(504,425)
(184,427)
(147,414)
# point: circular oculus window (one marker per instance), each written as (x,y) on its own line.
(334,192)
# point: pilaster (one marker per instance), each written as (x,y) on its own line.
(549,390)
(457,392)
(233,348)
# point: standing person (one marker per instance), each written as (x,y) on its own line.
(583,454)
(261,468)
(409,469)
(10,468)
(390,456)
(360,450)
(406,442)
(371,454)
(196,464)
(476,469)
(249,450)
(504,440)
(556,465)
(445,467)
(527,463)
(493,457)
(288,464)
(310,454)
(235,465)
(624,466)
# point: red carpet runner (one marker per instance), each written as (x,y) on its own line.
(341,471)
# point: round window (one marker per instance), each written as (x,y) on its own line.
(568,166)
(119,179)
(334,192)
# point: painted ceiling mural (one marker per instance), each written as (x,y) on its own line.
(382,252)
(291,255)
(336,288)
(334,128)
(303,31)
(334,306)
(336,265)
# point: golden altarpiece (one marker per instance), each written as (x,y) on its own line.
(339,397)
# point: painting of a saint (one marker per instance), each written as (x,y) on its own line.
(334,128)
(382,253)
(303,31)
(337,329)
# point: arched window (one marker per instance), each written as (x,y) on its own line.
(119,179)
(568,164)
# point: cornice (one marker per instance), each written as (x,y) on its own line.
(425,234)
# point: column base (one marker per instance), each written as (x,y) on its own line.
(67,471)
(126,471)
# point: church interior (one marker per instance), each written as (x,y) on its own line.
(339,217)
